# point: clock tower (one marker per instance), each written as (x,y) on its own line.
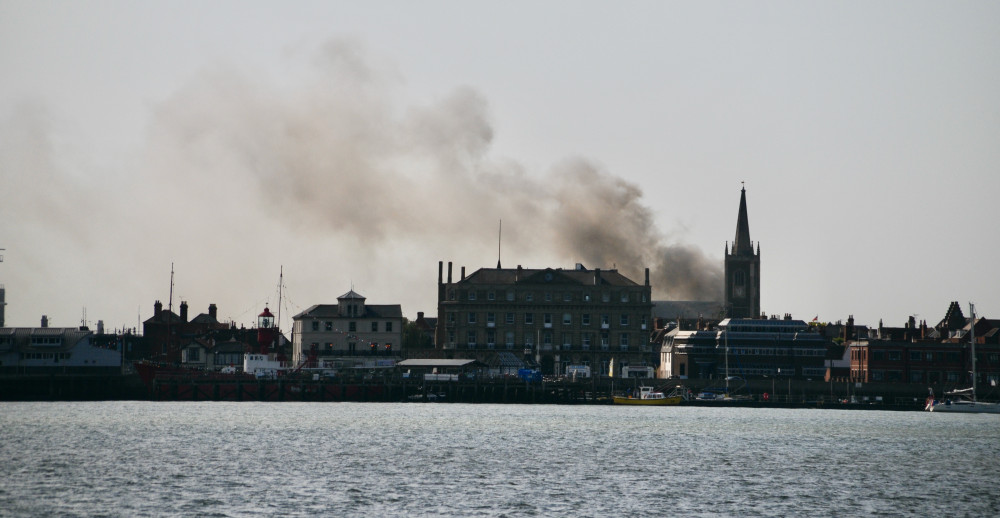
(742,297)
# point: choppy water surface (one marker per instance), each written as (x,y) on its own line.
(356,459)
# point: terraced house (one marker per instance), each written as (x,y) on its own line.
(551,317)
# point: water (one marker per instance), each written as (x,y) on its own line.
(358,459)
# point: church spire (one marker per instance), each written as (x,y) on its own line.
(742,244)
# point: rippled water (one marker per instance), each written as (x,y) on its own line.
(357,459)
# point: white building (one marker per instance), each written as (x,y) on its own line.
(349,328)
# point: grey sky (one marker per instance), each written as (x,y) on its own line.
(358,143)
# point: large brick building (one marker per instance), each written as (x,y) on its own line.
(550,317)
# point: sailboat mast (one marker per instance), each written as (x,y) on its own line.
(281,281)
(972,341)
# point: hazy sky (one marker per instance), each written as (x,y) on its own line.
(356,144)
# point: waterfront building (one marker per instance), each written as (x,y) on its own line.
(938,356)
(742,269)
(349,328)
(63,350)
(749,348)
(165,332)
(550,318)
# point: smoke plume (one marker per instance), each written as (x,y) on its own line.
(338,155)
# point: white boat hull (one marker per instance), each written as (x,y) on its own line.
(964,407)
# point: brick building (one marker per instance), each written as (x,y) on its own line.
(550,317)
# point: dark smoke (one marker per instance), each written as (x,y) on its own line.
(338,156)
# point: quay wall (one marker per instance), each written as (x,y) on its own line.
(756,393)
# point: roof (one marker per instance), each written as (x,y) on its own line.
(431,363)
(351,295)
(672,309)
(332,311)
(579,275)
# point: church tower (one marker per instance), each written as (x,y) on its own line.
(742,296)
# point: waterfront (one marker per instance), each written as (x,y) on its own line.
(359,459)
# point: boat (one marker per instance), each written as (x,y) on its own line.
(648,396)
(963,400)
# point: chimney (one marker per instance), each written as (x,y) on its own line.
(597,276)
(449,272)
(157,308)
(184,311)
(463,273)
(440,271)
(45,321)
(517,276)
(420,316)
(658,323)
(213,312)
(647,276)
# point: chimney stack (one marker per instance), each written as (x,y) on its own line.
(449,272)
(463,274)
(157,308)
(647,276)
(213,312)
(184,311)
(597,276)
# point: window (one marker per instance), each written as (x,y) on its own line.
(878,356)
(567,296)
(528,297)
(451,318)
(509,339)
(352,327)
(472,295)
(547,319)
(547,338)
(916,376)
(374,327)
(585,319)
(624,320)
(929,357)
(624,296)
(566,341)
(623,341)
(472,317)
(192,354)
(914,356)
(510,317)
(586,296)
(604,342)
(315,325)
(585,339)
(567,319)
(548,296)
(894,356)
(329,326)
(471,338)
(388,327)
(491,338)
(529,318)
(605,297)
(510,295)
(605,321)
(491,318)
(491,295)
